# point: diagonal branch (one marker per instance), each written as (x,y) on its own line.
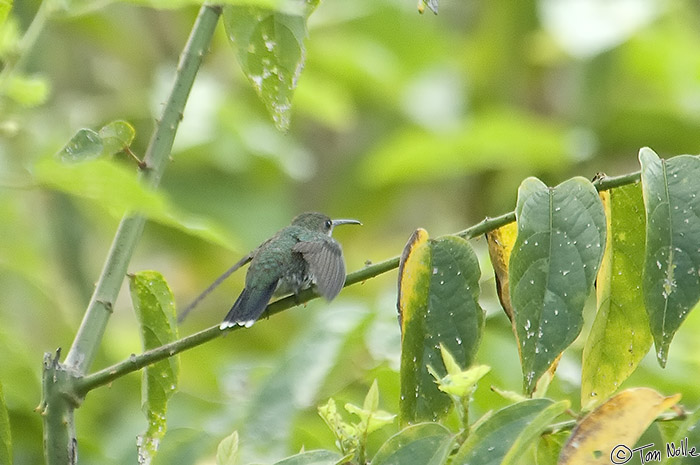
(109,374)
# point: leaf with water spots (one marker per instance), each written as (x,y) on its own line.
(86,144)
(620,335)
(671,281)
(154,306)
(438,304)
(269,43)
(611,430)
(503,438)
(561,236)
(421,444)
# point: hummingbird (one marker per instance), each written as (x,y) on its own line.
(296,256)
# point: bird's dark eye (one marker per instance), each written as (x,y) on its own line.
(328,224)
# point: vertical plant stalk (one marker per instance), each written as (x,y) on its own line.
(59,397)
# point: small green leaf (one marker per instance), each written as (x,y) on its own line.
(154,305)
(671,281)
(461,383)
(505,435)
(29,91)
(227,451)
(370,421)
(420,444)
(343,431)
(561,237)
(86,144)
(116,136)
(312,457)
(620,335)
(438,304)
(5,432)
(371,402)
(270,48)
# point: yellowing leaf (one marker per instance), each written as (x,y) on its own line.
(500,242)
(408,280)
(614,427)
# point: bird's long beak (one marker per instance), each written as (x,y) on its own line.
(335,223)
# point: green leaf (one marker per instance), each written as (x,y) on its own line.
(116,136)
(227,451)
(5,432)
(420,444)
(345,433)
(371,418)
(154,306)
(460,383)
(5,7)
(620,335)
(503,437)
(312,457)
(86,144)
(117,189)
(476,145)
(671,280)
(438,304)
(561,236)
(29,91)
(688,430)
(269,44)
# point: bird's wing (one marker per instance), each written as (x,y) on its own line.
(325,259)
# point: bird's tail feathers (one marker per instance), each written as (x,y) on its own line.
(248,307)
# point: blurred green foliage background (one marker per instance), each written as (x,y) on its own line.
(400,120)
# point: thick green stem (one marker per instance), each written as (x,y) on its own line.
(87,341)
(137,362)
(61,394)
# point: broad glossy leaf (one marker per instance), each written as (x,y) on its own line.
(227,450)
(503,437)
(269,44)
(438,304)
(5,433)
(312,457)
(671,281)
(614,427)
(86,144)
(620,335)
(561,237)
(116,136)
(154,305)
(421,444)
